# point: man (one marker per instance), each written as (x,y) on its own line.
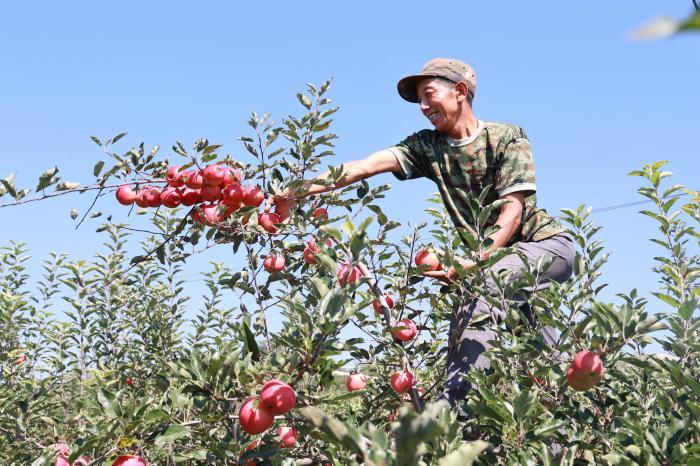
(464,154)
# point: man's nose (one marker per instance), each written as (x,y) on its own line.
(423,105)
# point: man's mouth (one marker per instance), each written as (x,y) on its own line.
(432,117)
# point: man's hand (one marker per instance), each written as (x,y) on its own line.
(449,275)
(284,202)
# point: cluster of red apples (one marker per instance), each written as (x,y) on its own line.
(257,415)
(216,188)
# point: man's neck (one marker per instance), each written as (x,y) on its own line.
(466,127)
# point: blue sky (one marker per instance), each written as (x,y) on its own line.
(594,103)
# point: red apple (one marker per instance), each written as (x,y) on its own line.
(356,382)
(210,193)
(389,302)
(288,436)
(152,196)
(171,197)
(233,175)
(21,359)
(401,381)
(229,177)
(211,214)
(391,417)
(129,460)
(233,195)
(252,196)
(126,195)
(128,381)
(274,264)
(174,177)
(254,420)
(428,257)
(320,212)
(404,330)
(214,174)
(268,220)
(190,197)
(278,397)
(226,211)
(346,275)
(195,180)
(63,453)
(310,250)
(141,197)
(585,371)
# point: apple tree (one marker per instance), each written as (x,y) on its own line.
(107,360)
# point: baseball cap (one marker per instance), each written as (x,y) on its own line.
(448,68)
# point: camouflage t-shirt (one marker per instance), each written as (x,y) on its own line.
(498,154)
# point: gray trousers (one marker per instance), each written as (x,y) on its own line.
(469,342)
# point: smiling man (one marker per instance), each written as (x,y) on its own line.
(464,154)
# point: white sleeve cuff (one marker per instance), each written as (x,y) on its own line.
(517,187)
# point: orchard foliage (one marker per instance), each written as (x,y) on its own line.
(117,360)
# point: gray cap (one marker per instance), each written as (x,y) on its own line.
(449,68)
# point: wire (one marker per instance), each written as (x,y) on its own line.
(697,8)
(619,206)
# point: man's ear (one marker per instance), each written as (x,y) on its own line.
(462,91)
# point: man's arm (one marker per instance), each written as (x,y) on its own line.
(379,162)
(508,220)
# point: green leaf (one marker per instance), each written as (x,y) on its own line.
(47,178)
(304,100)
(160,253)
(67,186)
(116,138)
(173,433)
(465,455)
(691,23)
(343,397)
(8,186)
(667,299)
(250,343)
(381,218)
(137,259)
(98,168)
(334,232)
(415,430)
(156,415)
(524,403)
(108,403)
(337,430)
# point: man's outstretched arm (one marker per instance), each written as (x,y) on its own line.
(379,162)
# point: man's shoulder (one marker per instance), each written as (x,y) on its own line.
(504,132)
(424,141)
(424,135)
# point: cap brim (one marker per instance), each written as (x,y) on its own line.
(408,86)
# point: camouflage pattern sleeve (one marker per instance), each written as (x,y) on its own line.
(409,153)
(516,169)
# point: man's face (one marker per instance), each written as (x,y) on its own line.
(439,103)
